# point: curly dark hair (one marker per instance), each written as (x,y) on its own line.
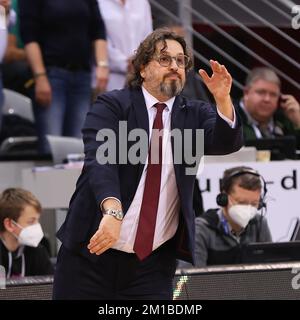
(147,49)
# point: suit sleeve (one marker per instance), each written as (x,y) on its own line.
(100,132)
(219,137)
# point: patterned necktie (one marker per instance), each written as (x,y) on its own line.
(265,131)
(145,232)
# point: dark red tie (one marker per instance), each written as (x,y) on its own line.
(145,232)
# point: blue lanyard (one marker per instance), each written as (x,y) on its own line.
(225,224)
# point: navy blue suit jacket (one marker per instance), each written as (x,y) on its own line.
(98,182)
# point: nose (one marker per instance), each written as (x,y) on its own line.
(173,64)
(267,97)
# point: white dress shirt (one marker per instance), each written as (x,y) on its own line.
(168,207)
(126,26)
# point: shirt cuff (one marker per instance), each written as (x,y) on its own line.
(231,123)
(109,198)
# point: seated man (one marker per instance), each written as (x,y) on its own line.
(221,232)
(265,112)
(21,253)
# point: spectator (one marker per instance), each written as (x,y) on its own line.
(127,23)
(59,37)
(265,111)
(20,234)
(17,75)
(221,232)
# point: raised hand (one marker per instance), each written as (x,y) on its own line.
(291,109)
(219,84)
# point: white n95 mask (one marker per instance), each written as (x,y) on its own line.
(241,214)
(31,235)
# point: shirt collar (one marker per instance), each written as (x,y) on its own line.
(151,101)
(251,120)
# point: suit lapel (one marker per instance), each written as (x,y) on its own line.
(140,109)
(177,122)
(142,119)
(178,111)
(178,118)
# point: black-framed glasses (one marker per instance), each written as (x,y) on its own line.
(165,60)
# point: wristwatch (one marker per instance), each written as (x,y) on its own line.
(103,63)
(118,214)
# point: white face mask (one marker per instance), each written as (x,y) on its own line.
(241,214)
(31,235)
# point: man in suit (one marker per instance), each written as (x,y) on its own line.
(265,111)
(128,222)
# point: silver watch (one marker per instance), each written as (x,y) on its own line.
(118,214)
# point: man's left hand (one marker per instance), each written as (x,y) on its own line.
(291,109)
(219,84)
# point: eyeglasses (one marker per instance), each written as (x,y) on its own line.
(165,60)
(254,203)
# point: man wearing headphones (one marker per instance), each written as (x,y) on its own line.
(220,233)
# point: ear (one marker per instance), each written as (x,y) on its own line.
(245,92)
(9,226)
(142,72)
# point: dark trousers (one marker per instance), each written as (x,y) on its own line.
(115,275)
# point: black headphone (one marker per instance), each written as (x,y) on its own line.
(222,197)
